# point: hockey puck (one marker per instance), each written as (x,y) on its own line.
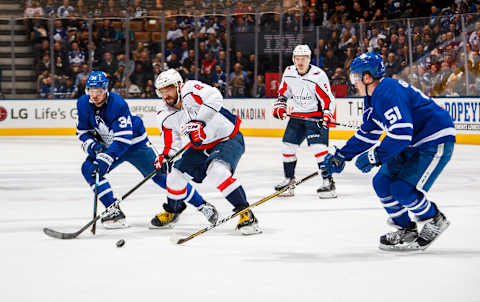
(120,243)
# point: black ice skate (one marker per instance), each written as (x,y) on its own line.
(285,183)
(114,218)
(327,190)
(248,224)
(209,211)
(432,228)
(399,240)
(167,219)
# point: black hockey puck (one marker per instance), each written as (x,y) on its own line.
(120,243)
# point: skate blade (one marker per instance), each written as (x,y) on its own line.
(250,230)
(121,224)
(288,193)
(165,227)
(327,195)
(404,249)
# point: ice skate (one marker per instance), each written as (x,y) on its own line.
(327,190)
(114,218)
(432,228)
(209,211)
(248,224)
(167,219)
(399,240)
(286,182)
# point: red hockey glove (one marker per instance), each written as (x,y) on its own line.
(327,119)
(196,132)
(280,109)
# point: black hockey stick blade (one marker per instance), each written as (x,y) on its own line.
(223,220)
(60,235)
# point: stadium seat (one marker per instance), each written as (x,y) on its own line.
(136,26)
(153,25)
(142,36)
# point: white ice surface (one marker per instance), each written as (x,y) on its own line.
(311,249)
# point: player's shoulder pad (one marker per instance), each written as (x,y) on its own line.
(290,71)
(316,71)
(164,111)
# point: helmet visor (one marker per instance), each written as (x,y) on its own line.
(355,77)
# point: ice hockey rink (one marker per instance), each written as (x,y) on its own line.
(311,249)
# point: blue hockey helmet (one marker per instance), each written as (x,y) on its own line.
(366,62)
(97,79)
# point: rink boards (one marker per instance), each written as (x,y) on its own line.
(58,117)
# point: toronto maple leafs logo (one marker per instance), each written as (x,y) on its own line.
(102,129)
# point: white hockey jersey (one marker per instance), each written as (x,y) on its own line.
(310,93)
(199,102)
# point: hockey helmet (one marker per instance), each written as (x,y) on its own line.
(301,50)
(96,79)
(366,62)
(167,78)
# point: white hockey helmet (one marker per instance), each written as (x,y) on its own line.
(167,78)
(301,50)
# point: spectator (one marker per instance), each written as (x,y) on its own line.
(207,64)
(45,88)
(83,73)
(65,10)
(239,58)
(76,56)
(139,11)
(120,35)
(238,81)
(173,62)
(392,66)
(317,58)
(339,78)
(129,66)
(111,10)
(174,32)
(59,32)
(149,92)
(138,77)
(109,64)
(68,90)
(106,36)
(213,44)
(134,91)
(219,79)
(94,55)
(44,65)
(260,92)
(50,8)
(190,60)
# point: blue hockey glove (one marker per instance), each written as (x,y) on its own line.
(104,161)
(367,160)
(333,163)
(91,147)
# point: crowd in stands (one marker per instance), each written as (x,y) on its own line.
(437,67)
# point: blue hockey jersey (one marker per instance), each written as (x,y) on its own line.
(409,118)
(113,122)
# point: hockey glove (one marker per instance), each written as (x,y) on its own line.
(367,160)
(327,119)
(163,167)
(104,161)
(196,132)
(91,147)
(333,163)
(280,108)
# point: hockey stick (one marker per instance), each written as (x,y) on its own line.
(95,202)
(60,235)
(223,220)
(319,120)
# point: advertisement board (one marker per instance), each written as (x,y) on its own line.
(58,117)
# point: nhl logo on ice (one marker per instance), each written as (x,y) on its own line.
(3,113)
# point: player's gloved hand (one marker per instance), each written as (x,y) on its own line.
(196,132)
(333,163)
(104,161)
(367,160)
(280,108)
(91,147)
(163,167)
(327,119)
